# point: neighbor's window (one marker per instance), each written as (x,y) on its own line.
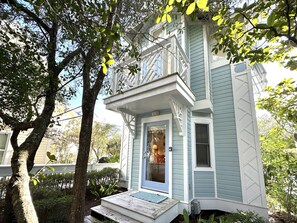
(202,145)
(3,139)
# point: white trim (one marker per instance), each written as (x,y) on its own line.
(241,167)
(257,142)
(209,121)
(5,150)
(156,119)
(204,106)
(172,85)
(185,152)
(164,35)
(247,73)
(130,159)
(206,61)
(230,206)
(219,63)
(184,205)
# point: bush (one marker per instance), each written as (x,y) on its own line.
(52,195)
(244,217)
(53,209)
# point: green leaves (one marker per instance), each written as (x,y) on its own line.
(281,103)
(271,18)
(201,4)
(51,157)
(191,8)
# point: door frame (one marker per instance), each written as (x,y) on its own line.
(166,117)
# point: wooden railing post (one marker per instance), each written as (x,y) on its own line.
(173,55)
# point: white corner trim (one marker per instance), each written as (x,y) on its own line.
(206,61)
(185,157)
(241,168)
(257,180)
(231,206)
(209,121)
(257,141)
(166,117)
(130,159)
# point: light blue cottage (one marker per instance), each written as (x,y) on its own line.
(191,131)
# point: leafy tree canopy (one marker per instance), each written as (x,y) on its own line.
(261,31)
(281,103)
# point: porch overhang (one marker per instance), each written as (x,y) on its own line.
(152,96)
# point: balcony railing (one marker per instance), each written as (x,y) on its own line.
(159,60)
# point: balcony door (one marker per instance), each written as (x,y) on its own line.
(155,156)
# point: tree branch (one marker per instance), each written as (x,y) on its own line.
(29,13)
(67,59)
(288,16)
(15,124)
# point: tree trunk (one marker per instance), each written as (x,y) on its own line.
(18,196)
(80,177)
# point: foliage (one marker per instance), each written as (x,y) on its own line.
(281,103)
(279,157)
(244,217)
(262,31)
(184,6)
(106,141)
(186,216)
(103,190)
(53,209)
(51,158)
(259,31)
(62,183)
(240,216)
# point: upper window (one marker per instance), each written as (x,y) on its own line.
(202,145)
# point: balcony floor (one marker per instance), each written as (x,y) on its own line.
(152,96)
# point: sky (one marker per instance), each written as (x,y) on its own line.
(275,74)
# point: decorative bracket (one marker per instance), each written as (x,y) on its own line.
(129,120)
(177,110)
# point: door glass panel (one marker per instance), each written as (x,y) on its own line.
(155,153)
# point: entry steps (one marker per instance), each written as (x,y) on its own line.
(124,208)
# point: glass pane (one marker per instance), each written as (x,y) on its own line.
(1,156)
(3,139)
(155,150)
(201,133)
(202,153)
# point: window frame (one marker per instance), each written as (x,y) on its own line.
(209,122)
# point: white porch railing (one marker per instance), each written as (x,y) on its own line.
(161,59)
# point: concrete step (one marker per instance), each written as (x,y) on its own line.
(100,211)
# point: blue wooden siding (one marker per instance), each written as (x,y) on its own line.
(204,184)
(173,26)
(197,68)
(189,154)
(226,152)
(136,154)
(177,164)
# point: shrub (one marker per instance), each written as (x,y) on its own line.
(53,209)
(244,217)
(103,190)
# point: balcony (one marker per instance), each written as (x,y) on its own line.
(157,61)
(163,77)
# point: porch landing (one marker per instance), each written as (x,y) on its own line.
(127,209)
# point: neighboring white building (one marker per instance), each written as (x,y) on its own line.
(6,149)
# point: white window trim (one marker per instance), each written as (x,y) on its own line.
(167,117)
(200,120)
(8,133)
